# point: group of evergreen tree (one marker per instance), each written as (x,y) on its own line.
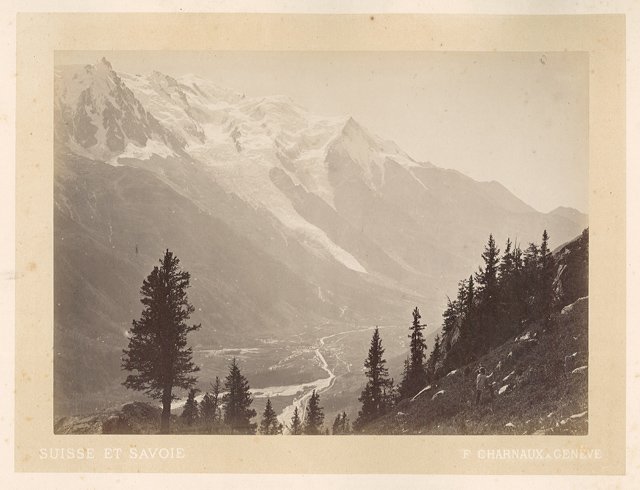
(228,411)
(311,421)
(341,425)
(492,304)
(379,394)
(159,360)
(231,413)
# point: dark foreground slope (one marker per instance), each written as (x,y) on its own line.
(540,387)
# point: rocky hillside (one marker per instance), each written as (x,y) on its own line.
(539,376)
(540,384)
(131,418)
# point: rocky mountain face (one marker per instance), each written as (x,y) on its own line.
(285,220)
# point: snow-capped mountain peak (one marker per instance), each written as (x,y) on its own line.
(302,169)
(253,147)
(103,118)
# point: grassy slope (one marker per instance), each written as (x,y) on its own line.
(540,398)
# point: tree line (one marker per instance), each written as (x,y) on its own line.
(230,412)
(490,307)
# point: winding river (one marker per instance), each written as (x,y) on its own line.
(320,385)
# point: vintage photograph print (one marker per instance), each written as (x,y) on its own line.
(321,243)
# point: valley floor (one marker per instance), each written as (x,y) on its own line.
(540,386)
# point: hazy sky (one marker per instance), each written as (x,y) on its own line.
(518,118)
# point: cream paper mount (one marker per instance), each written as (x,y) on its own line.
(40,36)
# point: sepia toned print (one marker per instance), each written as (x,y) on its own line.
(294,247)
(236,263)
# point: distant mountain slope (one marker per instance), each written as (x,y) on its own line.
(571,214)
(285,219)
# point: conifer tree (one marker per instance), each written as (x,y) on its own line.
(531,279)
(269,425)
(506,263)
(546,269)
(450,316)
(237,402)
(157,354)
(296,423)
(487,279)
(314,416)
(434,357)
(336,428)
(190,412)
(487,276)
(468,340)
(210,406)
(375,397)
(469,297)
(462,299)
(508,297)
(414,376)
(404,378)
(345,425)
(516,294)
(341,424)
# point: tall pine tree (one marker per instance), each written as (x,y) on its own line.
(519,285)
(157,353)
(531,280)
(190,412)
(376,397)
(434,358)
(237,402)
(210,407)
(547,270)
(314,416)
(508,297)
(450,316)
(487,280)
(296,423)
(269,425)
(414,376)
(468,339)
